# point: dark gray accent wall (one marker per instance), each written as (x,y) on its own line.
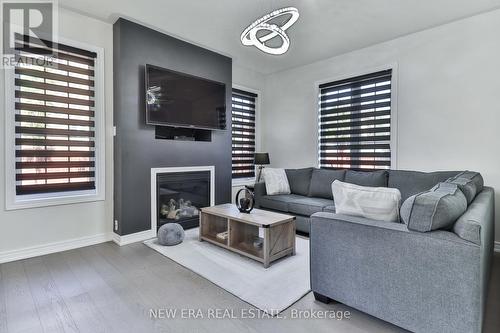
(136,150)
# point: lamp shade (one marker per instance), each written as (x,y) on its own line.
(261,158)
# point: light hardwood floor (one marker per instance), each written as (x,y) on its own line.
(106,288)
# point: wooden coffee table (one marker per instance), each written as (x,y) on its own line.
(275,232)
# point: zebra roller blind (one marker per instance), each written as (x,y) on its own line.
(243,132)
(54,114)
(355,122)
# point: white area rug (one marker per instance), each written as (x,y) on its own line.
(272,290)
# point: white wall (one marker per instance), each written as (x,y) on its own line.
(448,100)
(248,78)
(20,229)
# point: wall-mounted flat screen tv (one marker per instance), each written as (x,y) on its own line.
(181,100)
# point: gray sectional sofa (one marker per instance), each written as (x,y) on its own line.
(433,281)
(312,190)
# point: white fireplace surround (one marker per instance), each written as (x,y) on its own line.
(156,171)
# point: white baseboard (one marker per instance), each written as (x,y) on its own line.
(40,250)
(133,238)
(497,246)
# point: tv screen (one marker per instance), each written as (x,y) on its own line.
(181,100)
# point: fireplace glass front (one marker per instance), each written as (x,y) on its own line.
(180,195)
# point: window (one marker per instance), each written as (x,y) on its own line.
(355,122)
(54,125)
(243,132)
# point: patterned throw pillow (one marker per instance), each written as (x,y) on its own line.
(276,181)
(377,203)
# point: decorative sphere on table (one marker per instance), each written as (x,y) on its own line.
(170,234)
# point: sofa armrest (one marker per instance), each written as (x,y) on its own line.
(259,191)
(477,224)
(424,282)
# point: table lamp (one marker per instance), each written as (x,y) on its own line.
(261,159)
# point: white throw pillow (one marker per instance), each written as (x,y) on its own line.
(276,181)
(378,203)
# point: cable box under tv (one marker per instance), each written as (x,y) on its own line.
(182,134)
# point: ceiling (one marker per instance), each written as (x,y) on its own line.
(325,28)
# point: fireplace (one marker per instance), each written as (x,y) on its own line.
(179,193)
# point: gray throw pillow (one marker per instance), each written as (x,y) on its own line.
(321,182)
(437,208)
(473,176)
(367,178)
(467,186)
(299,180)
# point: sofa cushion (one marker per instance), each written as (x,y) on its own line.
(276,181)
(367,178)
(321,182)
(299,180)
(413,182)
(307,206)
(378,203)
(277,202)
(437,208)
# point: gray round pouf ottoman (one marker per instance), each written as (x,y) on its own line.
(170,234)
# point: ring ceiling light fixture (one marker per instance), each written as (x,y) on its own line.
(249,36)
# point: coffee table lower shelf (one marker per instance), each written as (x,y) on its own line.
(253,254)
